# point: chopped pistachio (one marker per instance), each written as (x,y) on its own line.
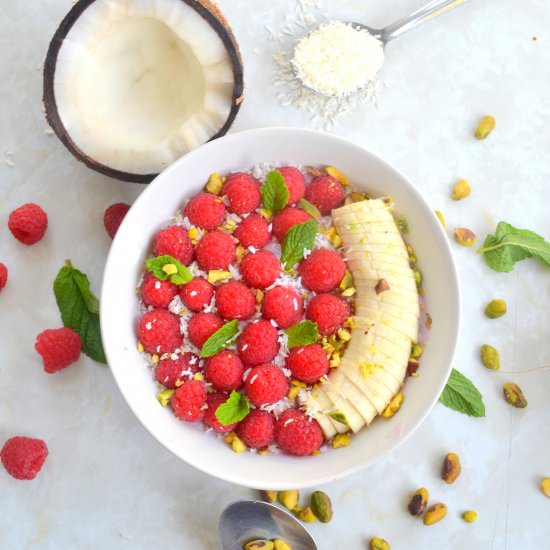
(340,440)
(216,275)
(164,397)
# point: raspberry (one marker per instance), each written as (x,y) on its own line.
(113,216)
(157,293)
(329,312)
(205,210)
(260,269)
(258,343)
(201,326)
(295,183)
(286,219)
(297,434)
(189,401)
(174,241)
(3,275)
(28,223)
(224,371)
(257,429)
(214,400)
(171,372)
(235,301)
(284,305)
(265,384)
(159,332)
(58,348)
(215,250)
(326,193)
(253,231)
(243,193)
(307,363)
(196,294)
(322,270)
(23,457)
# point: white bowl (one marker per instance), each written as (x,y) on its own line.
(157,204)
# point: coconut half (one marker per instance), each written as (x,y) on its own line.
(132,85)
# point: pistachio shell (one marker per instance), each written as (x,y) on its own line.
(489,357)
(495,309)
(486,125)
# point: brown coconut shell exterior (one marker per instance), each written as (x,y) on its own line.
(213,16)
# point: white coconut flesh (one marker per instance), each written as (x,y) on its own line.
(140,83)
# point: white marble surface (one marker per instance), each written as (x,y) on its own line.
(107,482)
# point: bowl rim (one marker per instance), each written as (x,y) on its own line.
(453,283)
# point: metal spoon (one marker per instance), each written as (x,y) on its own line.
(244,521)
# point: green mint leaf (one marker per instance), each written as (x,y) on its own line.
(79,309)
(233,410)
(310,208)
(274,192)
(220,339)
(510,245)
(156,267)
(302,334)
(461,395)
(299,238)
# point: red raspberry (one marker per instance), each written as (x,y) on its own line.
(260,269)
(171,372)
(215,250)
(329,312)
(258,343)
(253,231)
(322,270)
(3,275)
(286,219)
(284,305)
(257,429)
(243,193)
(159,332)
(265,384)
(189,401)
(174,241)
(205,210)
(58,348)
(157,293)
(113,216)
(214,400)
(326,193)
(308,363)
(224,371)
(295,183)
(297,434)
(201,326)
(235,301)
(196,294)
(23,457)
(28,223)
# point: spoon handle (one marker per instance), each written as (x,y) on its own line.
(429,11)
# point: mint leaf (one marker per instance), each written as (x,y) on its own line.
(274,192)
(299,238)
(79,309)
(302,334)
(510,245)
(156,267)
(461,395)
(220,339)
(310,208)
(233,410)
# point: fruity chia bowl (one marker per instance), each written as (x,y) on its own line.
(265,308)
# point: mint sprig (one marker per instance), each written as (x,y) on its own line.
(233,410)
(299,239)
(461,395)
(274,192)
(302,334)
(156,267)
(79,309)
(220,339)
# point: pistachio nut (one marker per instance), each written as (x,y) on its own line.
(344,334)
(238,445)
(216,275)
(164,397)
(280,544)
(495,309)
(402,224)
(514,395)
(240,252)
(485,126)
(394,406)
(259,295)
(434,514)
(260,544)
(489,357)
(307,515)
(358,197)
(347,281)
(461,190)
(378,544)
(337,174)
(198,376)
(321,506)
(214,184)
(339,416)
(464,237)
(441,218)
(419,501)
(411,253)
(412,367)
(140,347)
(417,350)
(289,499)
(313,171)
(381,286)
(451,468)
(469,516)
(269,496)
(170,269)
(545,486)
(349,292)
(340,440)
(418,277)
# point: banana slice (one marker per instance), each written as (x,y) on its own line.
(320,402)
(342,407)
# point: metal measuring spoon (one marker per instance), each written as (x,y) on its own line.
(244,521)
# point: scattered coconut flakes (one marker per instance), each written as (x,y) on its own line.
(274,449)
(148,325)
(253,379)
(176,306)
(157,285)
(321,241)
(252,249)
(234,217)
(49,132)
(235,273)
(246,373)
(278,408)
(287,422)
(287,372)
(273,323)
